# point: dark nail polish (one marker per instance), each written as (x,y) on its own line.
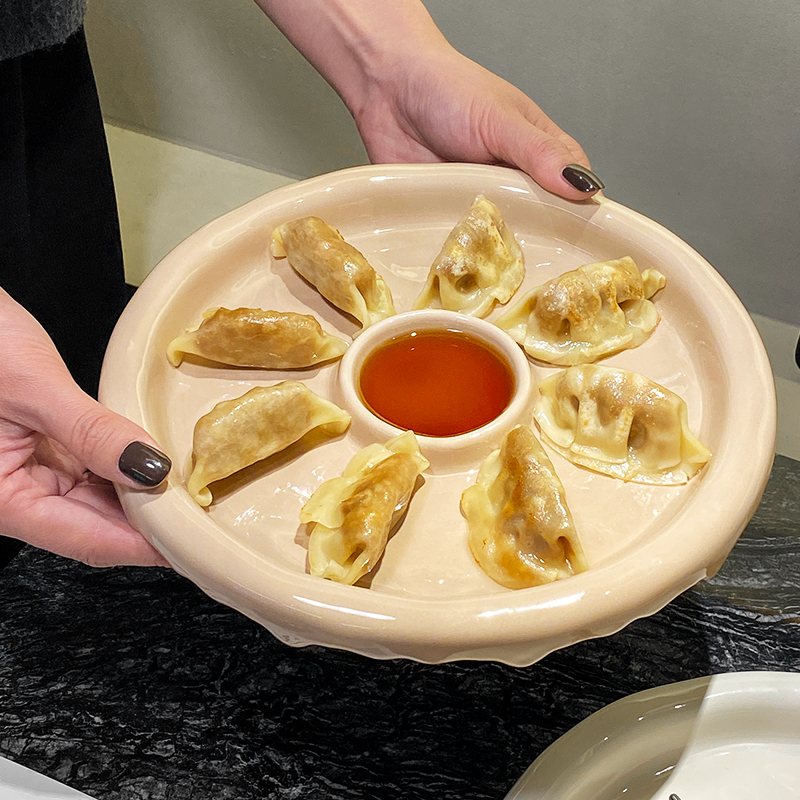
(583,179)
(144,464)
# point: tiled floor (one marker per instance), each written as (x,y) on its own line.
(165,194)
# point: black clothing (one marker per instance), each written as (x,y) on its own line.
(60,250)
(28,25)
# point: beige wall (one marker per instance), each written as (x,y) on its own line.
(689,111)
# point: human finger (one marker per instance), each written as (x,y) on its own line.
(74,528)
(40,395)
(108,444)
(553,159)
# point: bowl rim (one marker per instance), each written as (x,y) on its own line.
(444,452)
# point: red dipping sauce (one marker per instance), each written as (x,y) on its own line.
(436,383)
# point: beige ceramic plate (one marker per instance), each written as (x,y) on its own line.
(428,600)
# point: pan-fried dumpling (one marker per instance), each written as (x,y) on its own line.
(338,271)
(619,423)
(520,528)
(479,265)
(353,515)
(252,337)
(237,433)
(587,313)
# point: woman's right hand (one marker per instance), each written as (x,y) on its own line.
(60,451)
(416,99)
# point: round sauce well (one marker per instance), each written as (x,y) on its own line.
(436,382)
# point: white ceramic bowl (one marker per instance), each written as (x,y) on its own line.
(719,737)
(446,454)
(428,600)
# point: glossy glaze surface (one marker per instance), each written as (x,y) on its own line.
(247,550)
(716,737)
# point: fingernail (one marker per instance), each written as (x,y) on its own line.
(144,464)
(582,178)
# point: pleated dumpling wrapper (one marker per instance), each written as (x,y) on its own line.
(619,423)
(480,264)
(352,516)
(586,313)
(267,419)
(521,531)
(253,337)
(339,272)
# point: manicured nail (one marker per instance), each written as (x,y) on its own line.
(583,179)
(144,464)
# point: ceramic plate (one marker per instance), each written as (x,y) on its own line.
(20,783)
(428,600)
(727,737)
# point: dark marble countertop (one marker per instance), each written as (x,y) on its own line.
(130,683)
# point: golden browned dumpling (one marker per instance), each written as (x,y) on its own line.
(587,313)
(619,423)
(479,265)
(338,271)
(520,528)
(353,515)
(240,432)
(253,337)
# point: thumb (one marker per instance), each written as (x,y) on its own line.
(552,158)
(39,393)
(556,168)
(108,444)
